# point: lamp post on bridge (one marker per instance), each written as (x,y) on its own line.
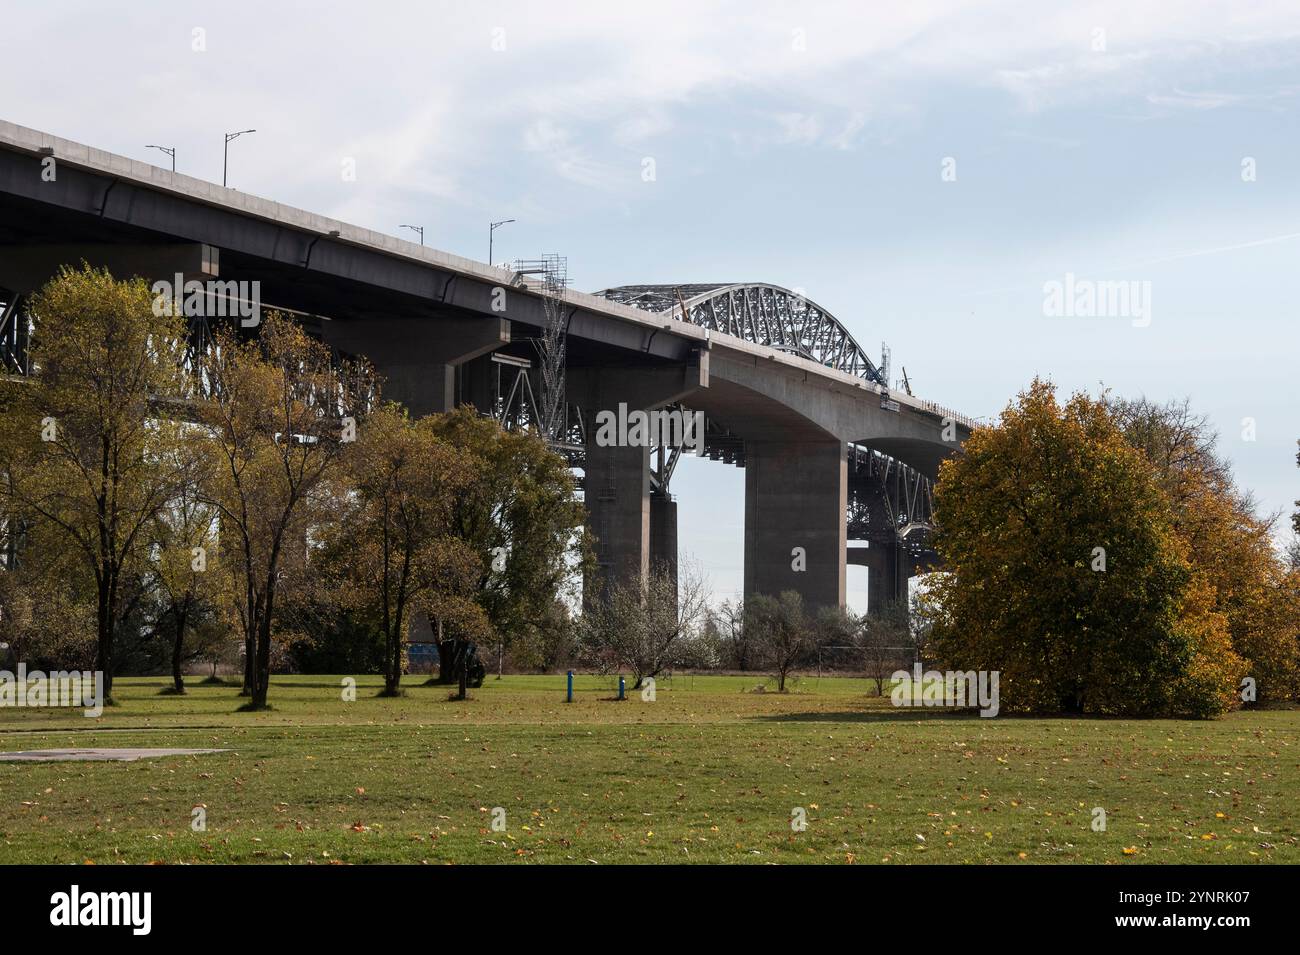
(492,228)
(225,156)
(169,150)
(415,228)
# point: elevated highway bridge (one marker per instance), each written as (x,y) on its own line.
(830,453)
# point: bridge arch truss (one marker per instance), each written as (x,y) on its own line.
(763,314)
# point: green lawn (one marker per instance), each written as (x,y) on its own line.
(709,772)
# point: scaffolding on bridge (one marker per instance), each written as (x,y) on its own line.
(552,281)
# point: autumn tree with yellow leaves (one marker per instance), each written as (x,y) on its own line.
(1067,574)
(1230,549)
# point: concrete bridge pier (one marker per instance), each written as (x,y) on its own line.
(618,502)
(796,495)
(634,529)
(663,534)
(889,567)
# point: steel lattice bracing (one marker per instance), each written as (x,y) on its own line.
(890,502)
(15,335)
(763,314)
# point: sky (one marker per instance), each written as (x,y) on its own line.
(923,170)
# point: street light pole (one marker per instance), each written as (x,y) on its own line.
(492,228)
(415,228)
(169,150)
(225,156)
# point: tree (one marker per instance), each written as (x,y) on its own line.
(780,631)
(1230,549)
(521,517)
(549,643)
(1065,573)
(643,629)
(833,628)
(190,579)
(1295,516)
(924,613)
(729,621)
(47,604)
(279,415)
(86,446)
(401,555)
(882,635)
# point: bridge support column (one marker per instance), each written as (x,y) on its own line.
(634,532)
(887,577)
(418,357)
(618,500)
(663,535)
(796,497)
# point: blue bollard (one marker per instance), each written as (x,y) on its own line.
(569,698)
(621,687)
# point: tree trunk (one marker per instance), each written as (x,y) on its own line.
(177,648)
(104,643)
(104,661)
(262,666)
(262,671)
(181,617)
(392,665)
(447,660)
(250,659)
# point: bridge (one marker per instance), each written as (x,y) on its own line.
(830,452)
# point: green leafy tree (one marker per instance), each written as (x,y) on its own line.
(190,579)
(47,603)
(1065,572)
(401,555)
(521,517)
(86,446)
(278,417)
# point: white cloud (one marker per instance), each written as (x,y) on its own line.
(418,94)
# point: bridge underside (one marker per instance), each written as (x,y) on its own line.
(808,491)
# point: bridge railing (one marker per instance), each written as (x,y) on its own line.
(964,420)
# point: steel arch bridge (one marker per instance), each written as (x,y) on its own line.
(762,314)
(889,502)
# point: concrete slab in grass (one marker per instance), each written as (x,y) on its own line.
(98,753)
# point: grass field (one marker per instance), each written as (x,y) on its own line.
(708,772)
